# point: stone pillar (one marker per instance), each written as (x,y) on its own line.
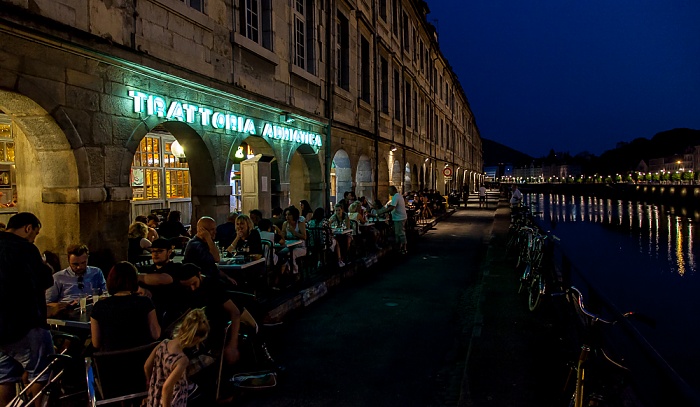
(216,204)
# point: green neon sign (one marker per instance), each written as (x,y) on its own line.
(216,119)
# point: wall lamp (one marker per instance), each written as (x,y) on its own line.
(286,118)
(393,147)
(427,159)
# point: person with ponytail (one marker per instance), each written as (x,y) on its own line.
(166,366)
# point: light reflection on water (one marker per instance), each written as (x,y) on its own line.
(642,257)
(654,232)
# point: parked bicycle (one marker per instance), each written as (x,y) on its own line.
(599,379)
(537,277)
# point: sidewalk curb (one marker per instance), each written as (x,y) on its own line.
(465,399)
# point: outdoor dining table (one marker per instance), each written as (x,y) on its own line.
(290,243)
(72,318)
(230,264)
(339,232)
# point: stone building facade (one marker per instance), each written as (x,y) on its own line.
(328,95)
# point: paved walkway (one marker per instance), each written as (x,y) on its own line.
(504,355)
(514,355)
(395,334)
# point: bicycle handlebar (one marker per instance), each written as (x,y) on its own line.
(595,318)
(588,313)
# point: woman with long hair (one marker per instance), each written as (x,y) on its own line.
(138,242)
(306,212)
(294,229)
(247,237)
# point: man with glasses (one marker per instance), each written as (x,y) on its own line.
(25,341)
(77,280)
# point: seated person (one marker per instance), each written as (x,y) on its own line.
(202,251)
(157,280)
(294,229)
(77,280)
(124,320)
(152,234)
(270,232)
(247,237)
(319,228)
(200,291)
(174,230)
(277,217)
(138,242)
(255,216)
(369,234)
(153,221)
(341,220)
(305,210)
(226,232)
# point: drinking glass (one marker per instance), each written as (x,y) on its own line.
(83,302)
(95,295)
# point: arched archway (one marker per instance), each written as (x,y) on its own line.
(382,181)
(396,174)
(53,175)
(253,146)
(407,176)
(415,185)
(203,197)
(422,177)
(306,177)
(341,175)
(363,178)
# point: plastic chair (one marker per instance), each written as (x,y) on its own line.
(117,376)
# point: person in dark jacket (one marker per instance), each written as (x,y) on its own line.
(25,341)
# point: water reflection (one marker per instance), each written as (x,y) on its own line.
(659,232)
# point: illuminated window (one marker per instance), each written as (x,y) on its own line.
(156,174)
(8,187)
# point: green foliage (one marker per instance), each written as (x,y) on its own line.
(676,176)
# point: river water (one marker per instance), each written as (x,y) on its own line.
(644,258)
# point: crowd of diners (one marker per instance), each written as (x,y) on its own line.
(185,304)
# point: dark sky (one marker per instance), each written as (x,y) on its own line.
(574,75)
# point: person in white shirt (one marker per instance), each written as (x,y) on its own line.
(482,196)
(516,197)
(397,207)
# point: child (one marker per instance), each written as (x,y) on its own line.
(166,366)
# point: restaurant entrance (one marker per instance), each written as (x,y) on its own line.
(160,176)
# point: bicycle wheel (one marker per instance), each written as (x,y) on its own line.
(535,292)
(525,277)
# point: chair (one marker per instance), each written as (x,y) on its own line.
(117,376)
(254,375)
(268,247)
(317,246)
